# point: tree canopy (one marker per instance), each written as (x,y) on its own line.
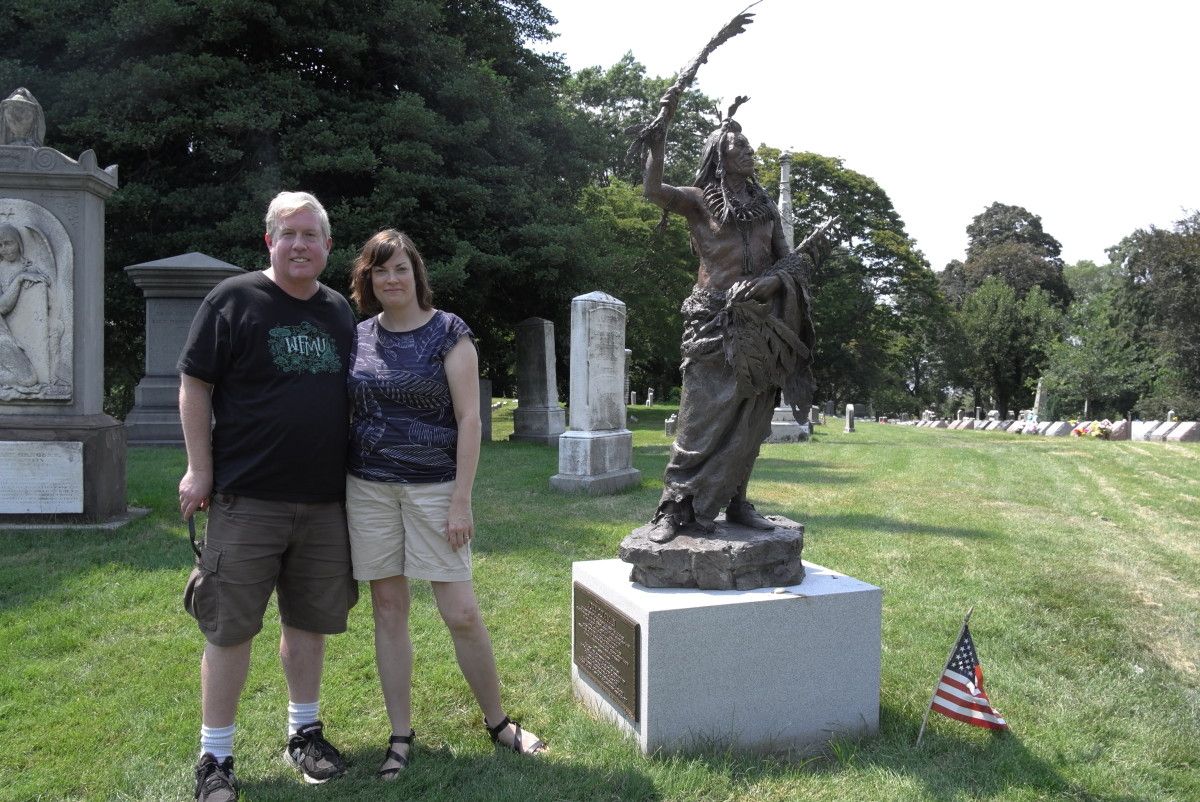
(877,308)
(431,116)
(437,117)
(1159,273)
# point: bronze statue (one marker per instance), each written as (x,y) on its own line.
(747,328)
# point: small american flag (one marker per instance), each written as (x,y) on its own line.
(960,694)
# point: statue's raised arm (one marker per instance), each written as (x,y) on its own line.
(644,136)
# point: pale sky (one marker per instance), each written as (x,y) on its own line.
(1085,113)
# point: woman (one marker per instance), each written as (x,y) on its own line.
(414,448)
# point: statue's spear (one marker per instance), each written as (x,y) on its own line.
(643,134)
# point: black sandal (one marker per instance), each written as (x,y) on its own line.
(391,772)
(516,745)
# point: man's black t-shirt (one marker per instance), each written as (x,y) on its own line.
(278,369)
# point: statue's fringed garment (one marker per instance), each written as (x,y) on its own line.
(736,357)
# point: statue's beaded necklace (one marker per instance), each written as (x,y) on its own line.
(744,214)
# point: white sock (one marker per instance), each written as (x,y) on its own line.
(300,714)
(218,741)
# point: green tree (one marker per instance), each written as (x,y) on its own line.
(651,270)
(622,95)
(877,308)
(1009,337)
(432,116)
(1097,365)
(1089,280)
(1160,280)
(1001,224)
(1008,242)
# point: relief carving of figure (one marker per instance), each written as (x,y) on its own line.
(25,328)
(21,120)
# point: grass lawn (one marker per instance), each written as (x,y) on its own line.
(1081,558)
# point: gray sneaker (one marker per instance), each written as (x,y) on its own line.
(313,756)
(215,781)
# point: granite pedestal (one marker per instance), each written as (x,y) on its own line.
(756,670)
(61,469)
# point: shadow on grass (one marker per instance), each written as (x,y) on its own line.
(440,773)
(954,761)
(879,523)
(803,471)
(38,562)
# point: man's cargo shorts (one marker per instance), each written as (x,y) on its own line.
(253,547)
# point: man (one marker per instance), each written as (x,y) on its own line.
(747,333)
(266,357)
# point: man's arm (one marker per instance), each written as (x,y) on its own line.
(195,411)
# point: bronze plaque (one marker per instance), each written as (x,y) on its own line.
(606,649)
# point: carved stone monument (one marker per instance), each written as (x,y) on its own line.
(63,458)
(485,410)
(785,199)
(596,454)
(174,288)
(538,417)
(849,419)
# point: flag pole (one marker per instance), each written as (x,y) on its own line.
(946,665)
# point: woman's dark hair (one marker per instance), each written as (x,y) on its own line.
(378,250)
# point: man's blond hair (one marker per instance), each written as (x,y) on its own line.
(288,203)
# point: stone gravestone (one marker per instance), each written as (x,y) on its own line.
(485,410)
(849,418)
(829,408)
(538,417)
(1185,432)
(62,460)
(784,426)
(628,362)
(1120,430)
(174,288)
(596,454)
(633,398)
(1160,432)
(785,200)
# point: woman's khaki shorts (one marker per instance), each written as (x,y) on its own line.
(399,529)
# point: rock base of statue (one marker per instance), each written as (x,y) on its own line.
(732,557)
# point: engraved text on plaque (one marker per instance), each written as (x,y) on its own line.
(606,649)
(41,477)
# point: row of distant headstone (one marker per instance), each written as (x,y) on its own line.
(1170,430)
